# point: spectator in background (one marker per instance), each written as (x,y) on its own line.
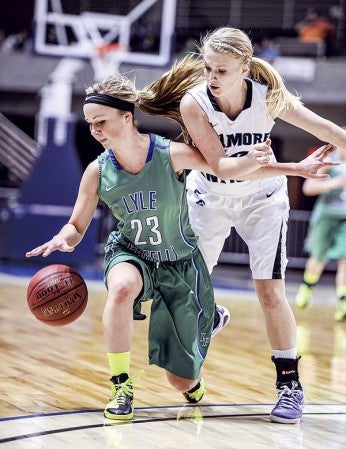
(326,238)
(267,50)
(316,28)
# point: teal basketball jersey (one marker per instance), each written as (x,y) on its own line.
(150,206)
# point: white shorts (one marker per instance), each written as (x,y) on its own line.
(259,218)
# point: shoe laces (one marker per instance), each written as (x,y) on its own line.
(125,389)
(287,396)
(195,395)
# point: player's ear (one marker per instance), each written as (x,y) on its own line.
(128,116)
(246,69)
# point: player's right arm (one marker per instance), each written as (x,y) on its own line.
(72,232)
(207,141)
(251,166)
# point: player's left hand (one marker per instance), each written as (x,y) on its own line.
(312,166)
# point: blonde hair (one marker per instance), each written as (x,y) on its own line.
(234,42)
(162,97)
(117,86)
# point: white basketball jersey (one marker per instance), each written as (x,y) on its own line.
(252,126)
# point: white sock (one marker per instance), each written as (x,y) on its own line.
(286,354)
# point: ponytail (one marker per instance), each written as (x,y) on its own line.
(278,97)
(162,97)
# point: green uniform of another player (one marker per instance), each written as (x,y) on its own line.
(154,233)
(326,238)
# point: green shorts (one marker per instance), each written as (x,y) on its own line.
(326,239)
(182,310)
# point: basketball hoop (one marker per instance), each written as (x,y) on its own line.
(91,35)
(106,59)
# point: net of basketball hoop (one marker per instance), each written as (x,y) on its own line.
(106,59)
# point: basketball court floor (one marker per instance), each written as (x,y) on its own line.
(54,381)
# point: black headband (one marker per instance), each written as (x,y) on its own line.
(108,100)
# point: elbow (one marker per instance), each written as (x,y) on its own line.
(220,173)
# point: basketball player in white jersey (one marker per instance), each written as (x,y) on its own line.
(228,113)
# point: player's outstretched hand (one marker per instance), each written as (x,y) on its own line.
(312,166)
(56,244)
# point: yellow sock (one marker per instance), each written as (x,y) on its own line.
(118,362)
(310,278)
(341,291)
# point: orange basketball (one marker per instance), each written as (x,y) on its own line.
(57,295)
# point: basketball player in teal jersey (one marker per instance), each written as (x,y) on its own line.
(225,113)
(326,237)
(153,254)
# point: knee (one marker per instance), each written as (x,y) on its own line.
(180,383)
(270,296)
(124,283)
(121,291)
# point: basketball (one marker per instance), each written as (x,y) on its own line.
(57,295)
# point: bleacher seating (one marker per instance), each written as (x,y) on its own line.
(292,46)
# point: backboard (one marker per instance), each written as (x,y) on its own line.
(106,39)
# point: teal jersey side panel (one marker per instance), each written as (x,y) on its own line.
(151,206)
